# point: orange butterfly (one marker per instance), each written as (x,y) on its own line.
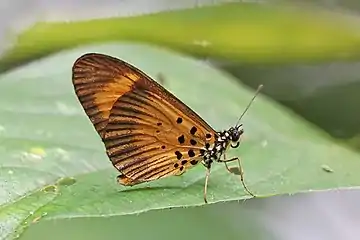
(148,133)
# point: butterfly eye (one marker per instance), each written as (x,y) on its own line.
(235,136)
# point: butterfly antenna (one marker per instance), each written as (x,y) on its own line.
(248,106)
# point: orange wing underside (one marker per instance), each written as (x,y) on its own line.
(148,133)
(99,81)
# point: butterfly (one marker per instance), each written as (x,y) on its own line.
(148,133)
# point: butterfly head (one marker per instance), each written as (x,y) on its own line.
(235,135)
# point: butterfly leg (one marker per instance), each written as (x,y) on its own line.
(227,167)
(241,172)
(206,181)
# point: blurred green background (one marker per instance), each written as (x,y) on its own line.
(305,53)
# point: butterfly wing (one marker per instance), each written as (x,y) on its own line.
(148,133)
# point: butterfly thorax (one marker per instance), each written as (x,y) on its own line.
(226,138)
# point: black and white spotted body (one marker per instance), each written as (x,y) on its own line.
(224,139)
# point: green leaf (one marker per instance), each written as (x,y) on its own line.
(54,165)
(246,32)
